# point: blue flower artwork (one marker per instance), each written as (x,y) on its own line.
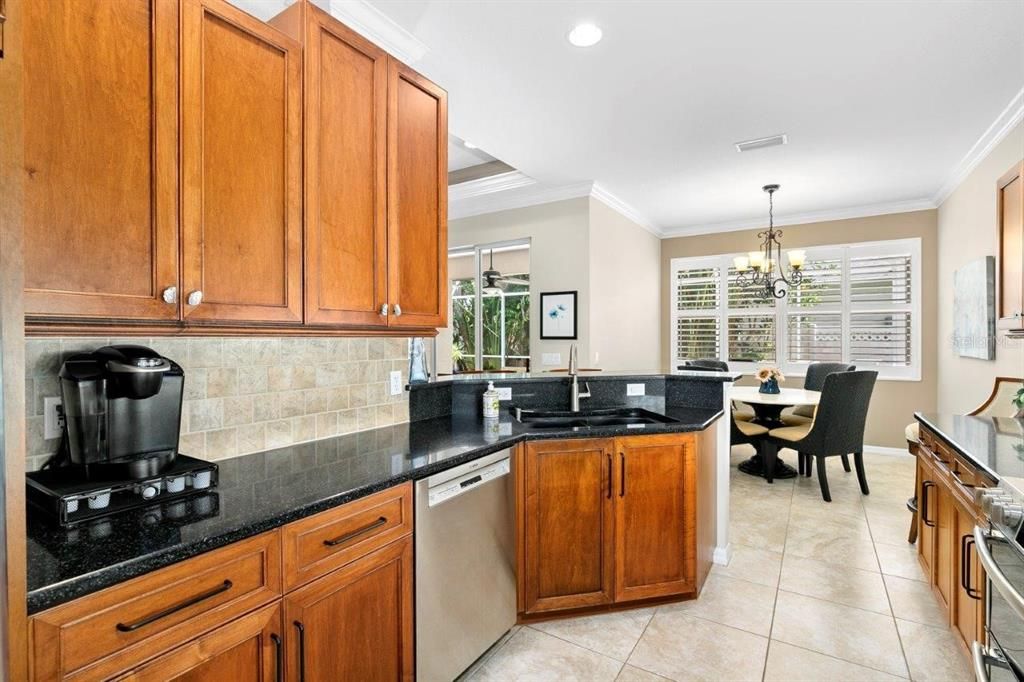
(558,315)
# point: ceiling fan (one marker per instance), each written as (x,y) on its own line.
(492,279)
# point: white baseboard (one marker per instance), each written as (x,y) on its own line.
(888,452)
(722,555)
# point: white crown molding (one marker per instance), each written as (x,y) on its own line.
(493,183)
(613,202)
(802,218)
(519,197)
(1000,128)
(376,26)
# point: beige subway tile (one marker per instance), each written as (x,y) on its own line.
(339,398)
(366,418)
(293,403)
(221,381)
(42,387)
(279,378)
(401,412)
(30,398)
(252,438)
(266,351)
(304,376)
(195,384)
(304,428)
(238,410)
(384,415)
(252,380)
(171,348)
(265,407)
(326,424)
(204,415)
(238,352)
(358,395)
(348,421)
(222,443)
(330,374)
(357,349)
(316,400)
(205,352)
(279,433)
(42,357)
(192,444)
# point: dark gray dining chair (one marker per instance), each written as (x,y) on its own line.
(837,429)
(814,379)
(705,365)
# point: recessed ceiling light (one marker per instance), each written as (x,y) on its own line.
(468,145)
(585,35)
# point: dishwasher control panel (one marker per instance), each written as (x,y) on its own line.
(457,486)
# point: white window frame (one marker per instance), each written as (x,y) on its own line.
(783,310)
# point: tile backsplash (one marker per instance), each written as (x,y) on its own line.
(245,395)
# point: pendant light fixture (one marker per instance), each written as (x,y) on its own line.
(758,268)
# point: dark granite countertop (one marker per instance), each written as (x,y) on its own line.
(615,375)
(995,444)
(263,491)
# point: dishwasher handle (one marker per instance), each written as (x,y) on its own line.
(449,490)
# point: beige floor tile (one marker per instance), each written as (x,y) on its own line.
(680,647)
(478,663)
(787,663)
(849,586)
(854,635)
(900,560)
(536,656)
(914,600)
(763,531)
(761,566)
(826,517)
(611,634)
(933,653)
(733,602)
(631,674)
(889,526)
(832,546)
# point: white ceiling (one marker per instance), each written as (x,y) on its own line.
(460,156)
(881,100)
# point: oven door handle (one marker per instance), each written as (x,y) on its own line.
(978,657)
(995,576)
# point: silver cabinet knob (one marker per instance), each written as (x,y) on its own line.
(195,298)
(170,295)
(383,309)
(398,310)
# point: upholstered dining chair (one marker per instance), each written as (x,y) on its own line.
(837,428)
(711,365)
(996,405)
(814,379)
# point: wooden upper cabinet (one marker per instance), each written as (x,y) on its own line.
(345,185)
(566,521)
(101,190)
(1010,221)
(417,199)
(241,161)
(655,516)
(356,622)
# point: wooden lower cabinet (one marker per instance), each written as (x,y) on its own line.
(249,648)
(606,521)
(946,545)
(355,623)
(969,587)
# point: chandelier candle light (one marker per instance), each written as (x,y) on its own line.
(757,269)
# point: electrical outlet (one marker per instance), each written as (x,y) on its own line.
(504,392)
(551,359)
(636,389)
(396,382)
(53,418)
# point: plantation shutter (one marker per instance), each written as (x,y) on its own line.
(880,310)
(697,326)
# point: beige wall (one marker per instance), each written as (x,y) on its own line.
(894,402)
(559,261)
(625,309)
(967,231)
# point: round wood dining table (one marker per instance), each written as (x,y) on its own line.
(767,410)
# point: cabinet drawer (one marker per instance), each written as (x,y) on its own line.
(319,544)
(113,630)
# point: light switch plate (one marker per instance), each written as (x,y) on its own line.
(53,421)
(636,389)
(396,382)
(504,392)
(553,359)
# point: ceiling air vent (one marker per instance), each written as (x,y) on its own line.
(761,143)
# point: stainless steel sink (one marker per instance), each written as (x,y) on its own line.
(561,419)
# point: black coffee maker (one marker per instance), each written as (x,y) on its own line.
(122,412)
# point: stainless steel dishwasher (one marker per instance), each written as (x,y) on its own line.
(465,565)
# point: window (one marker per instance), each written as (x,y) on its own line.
(490,330)
(858,303)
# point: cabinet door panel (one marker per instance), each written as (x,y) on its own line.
(346,175)
(655,517)
(968,611)
(241,156)
(355,623)
(248,648)
(101,233)
(567,522)
(1010,218)
(926,515)
(417,199)
(947,548)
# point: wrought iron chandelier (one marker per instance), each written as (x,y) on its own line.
(758,268)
